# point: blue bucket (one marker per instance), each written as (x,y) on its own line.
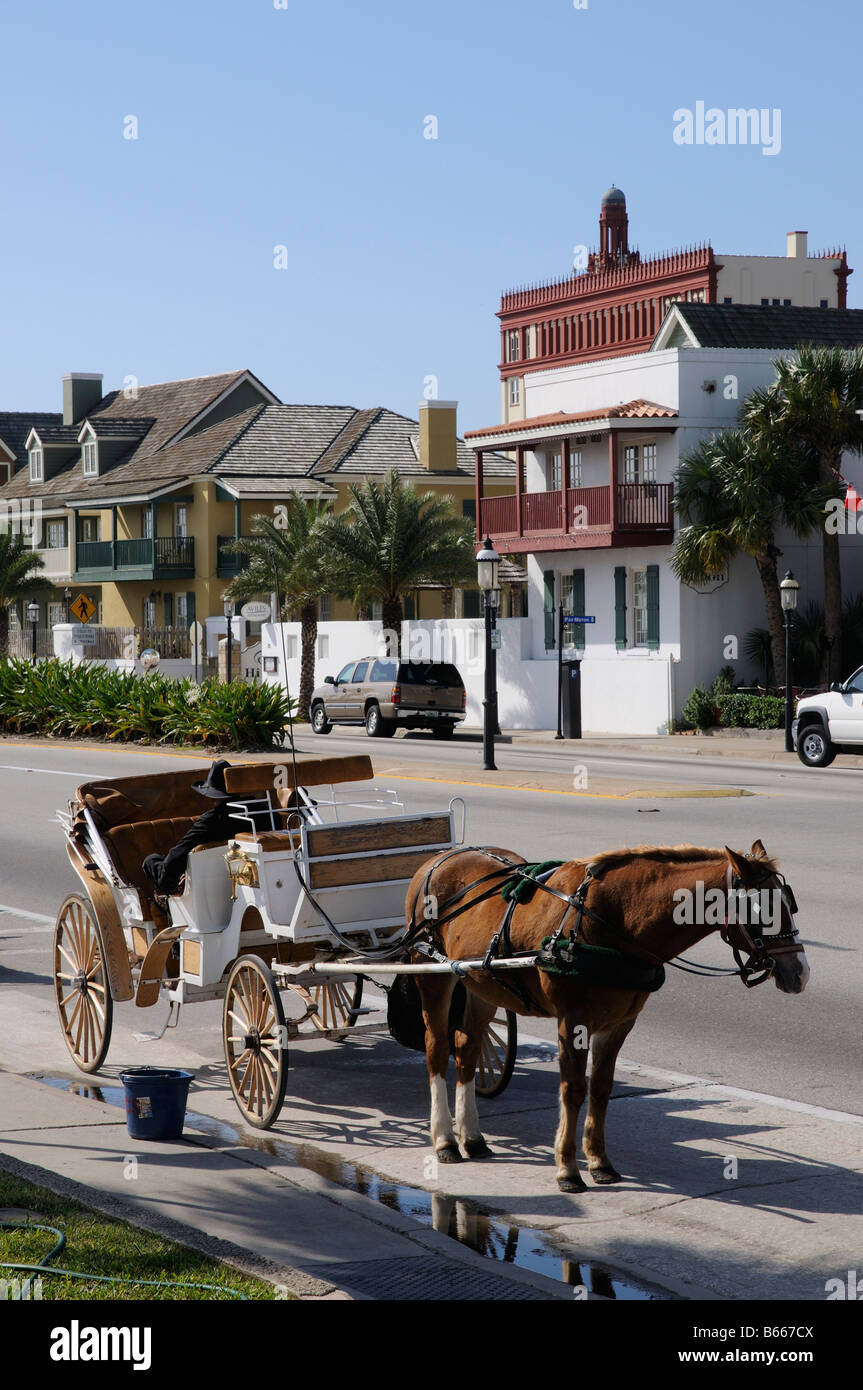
(155,1101)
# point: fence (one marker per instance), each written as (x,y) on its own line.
(21,643)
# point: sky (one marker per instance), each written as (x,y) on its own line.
(280,207)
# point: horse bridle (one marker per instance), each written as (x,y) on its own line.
(761,949)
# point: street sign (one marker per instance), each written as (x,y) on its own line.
(196,634)
(256,612)
(495,641)
(83,608)
(571,621)
(84,636)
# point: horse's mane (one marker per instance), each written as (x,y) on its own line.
(665,854)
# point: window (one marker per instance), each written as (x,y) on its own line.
(345,673)
(384,671)
(728,300)
(786,303)
(56,614)
(147,523)
(552,472)
(639,608)
(575,470)
(630,463)
(765,302)
(90,466)
(180,520)
(149,612)
(37,465)
(181,609)
(823,304)
(56,538)
(91,528)
(775,303)
(514,350)
(360,673)
(515,390)
(468,508)
(324,608)
(648,463)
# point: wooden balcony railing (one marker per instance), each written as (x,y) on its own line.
(639,507)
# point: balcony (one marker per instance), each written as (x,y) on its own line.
(56,564)
(228,566)
(643,514)
(166,557)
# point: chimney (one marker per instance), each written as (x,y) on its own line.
(81,391)
(796,245)
(438,436)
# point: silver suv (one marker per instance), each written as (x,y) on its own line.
(386,695)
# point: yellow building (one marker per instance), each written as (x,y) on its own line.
(141,490)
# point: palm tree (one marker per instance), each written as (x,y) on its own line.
(285,555)
(392,538)
(731,495)
(811,408)
(19,579)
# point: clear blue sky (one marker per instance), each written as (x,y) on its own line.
(303,127)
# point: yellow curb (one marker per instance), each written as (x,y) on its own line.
(552,791)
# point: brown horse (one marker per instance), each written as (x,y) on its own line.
(648,904)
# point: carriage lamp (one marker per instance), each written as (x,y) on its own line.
(229,653)
(33,617)
(487,567)
(788,591)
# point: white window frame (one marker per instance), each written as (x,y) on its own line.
(553,471)
(37,465)
(631,462)
(637,591)
(91,523)
(181,610)
(149,612)
(515,390)
(146,524)
(181,510)
(56,614)
(59,527)
(648,463)
(90,459)
(513,345)
(576,469)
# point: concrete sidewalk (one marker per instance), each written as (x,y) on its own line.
(728,1195)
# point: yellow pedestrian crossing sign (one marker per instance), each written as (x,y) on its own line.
(83,608)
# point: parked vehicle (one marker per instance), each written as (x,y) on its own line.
(386,695)
(830,723)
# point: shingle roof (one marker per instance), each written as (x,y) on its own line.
(771,325)
(387,443)
(106,426)
(15,425)
(286,439)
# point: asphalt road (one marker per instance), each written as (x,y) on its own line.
(803,1048)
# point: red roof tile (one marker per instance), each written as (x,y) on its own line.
(632,410)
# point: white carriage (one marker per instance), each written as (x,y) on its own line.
(320,876)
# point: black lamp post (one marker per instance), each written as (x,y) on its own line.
(33,616)
(67,599)
(487,565)
(229,653)
(788,594)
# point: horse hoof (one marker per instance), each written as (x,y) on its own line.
(477,1148)
(448,1154)
(603,1176)
(575,1184)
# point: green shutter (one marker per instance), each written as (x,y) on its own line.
(169,610)
(653,607)
(620,607)
(190,607)
(578,607)
(548,582)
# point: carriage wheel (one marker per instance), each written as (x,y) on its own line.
(337,1002)
(81,990)
(256,1041)
(497,1055)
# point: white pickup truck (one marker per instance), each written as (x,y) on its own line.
(830,723)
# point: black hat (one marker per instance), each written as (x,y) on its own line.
(214,786)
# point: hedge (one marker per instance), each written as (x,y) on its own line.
(63,700)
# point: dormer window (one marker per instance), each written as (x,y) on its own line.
(37,465)
(90,467)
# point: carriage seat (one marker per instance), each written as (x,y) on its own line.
(129,846)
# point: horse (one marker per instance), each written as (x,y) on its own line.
(652,901)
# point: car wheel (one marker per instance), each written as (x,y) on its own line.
(320,723)
(814,748)
(376,725)
(443,730)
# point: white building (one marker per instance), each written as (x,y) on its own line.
(593,508)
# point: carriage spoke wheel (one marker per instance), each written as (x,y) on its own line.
(81,990)
(337,1001)
(256,1045)
(497,1054)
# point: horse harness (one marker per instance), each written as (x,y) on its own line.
(517,882)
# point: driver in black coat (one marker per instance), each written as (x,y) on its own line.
(213,826)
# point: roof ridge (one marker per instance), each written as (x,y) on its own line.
(343,444)
(237,437)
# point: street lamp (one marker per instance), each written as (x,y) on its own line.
(33,616)
(487,566)
(229,653)
(788,595)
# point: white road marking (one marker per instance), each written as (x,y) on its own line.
(27,916)
(677,1078)
(47,771)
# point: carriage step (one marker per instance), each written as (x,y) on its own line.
(154,1037)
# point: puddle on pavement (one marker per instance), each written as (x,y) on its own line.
(456,1217)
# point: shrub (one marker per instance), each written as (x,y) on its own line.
(699,708)
(751,711)
(62,700)
(723,682)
